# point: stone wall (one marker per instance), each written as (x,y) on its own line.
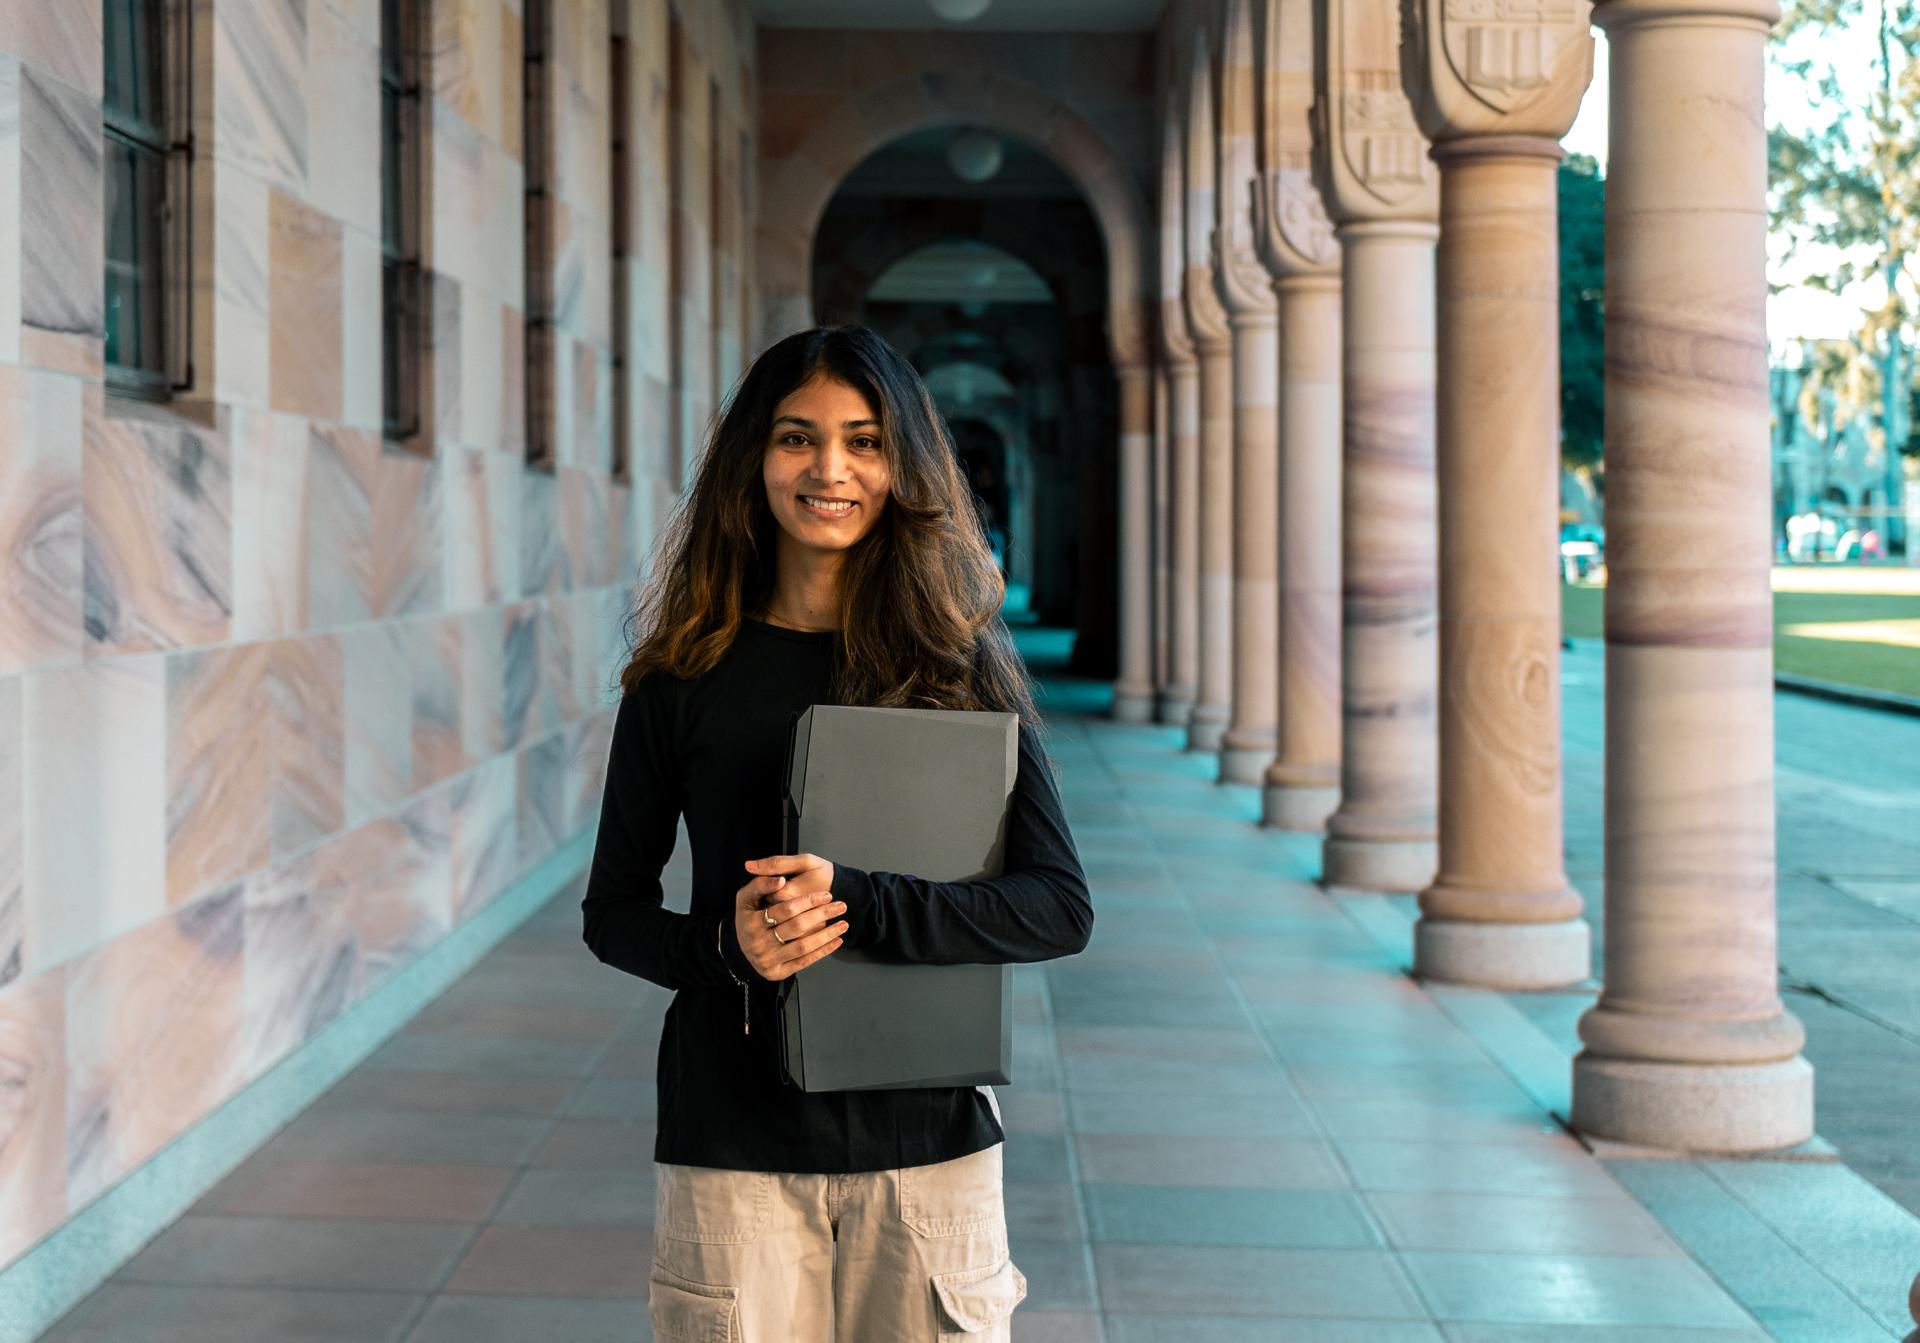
(282,702)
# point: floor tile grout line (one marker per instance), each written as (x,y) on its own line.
(1321,1133)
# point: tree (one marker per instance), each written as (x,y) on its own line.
(1582,211)
(1844,198)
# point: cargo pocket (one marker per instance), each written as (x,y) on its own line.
(975,1302)
(684,1311)
(951,1198)
(711,1206)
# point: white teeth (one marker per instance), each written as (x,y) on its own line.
(824,506)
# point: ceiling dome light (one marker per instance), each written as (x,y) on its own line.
(974,155)
(959,11)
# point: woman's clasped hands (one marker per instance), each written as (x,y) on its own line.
(781,915)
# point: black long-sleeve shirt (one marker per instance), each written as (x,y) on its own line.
(713,748)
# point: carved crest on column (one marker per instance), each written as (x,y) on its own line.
(1383,148)
(1504,51)
(1292,225)
(1240,281)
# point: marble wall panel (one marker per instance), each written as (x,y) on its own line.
(304,308)
(483,660)
(260,87)
(157,494)
(565,695)
(9,208)
(343,74)
(13,914)
(302,954)
(230,291)
(94,784)
(403,899)
(61,229)
(306,680)
(154,1037)
(40,511)
(543,558)
(442,358)
(586,426)
(379,719)
(481,833)
(522,702)
(457,196)
(511,58)
(343,475)
(406,576)
(539,811)
(269,524)
(481,404)
(477,525)
(33,1123)
(434,660)
(219,768)
(513,382)
(464,60)
(361,276)
(62,39)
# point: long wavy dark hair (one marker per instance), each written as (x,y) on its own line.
(921,625)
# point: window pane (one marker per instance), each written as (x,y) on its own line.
(132,71)
(135,199)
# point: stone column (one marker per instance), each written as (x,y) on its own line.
(1213,343)
(1245,290)
(1183,438)
(1495,96)
(1371,168)
(1689,1046)
(1158,517)
(1295,237)
(1133,691)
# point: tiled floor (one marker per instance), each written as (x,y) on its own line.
(1233,1121)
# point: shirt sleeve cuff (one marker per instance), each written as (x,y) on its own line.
(854,886)
(731,954)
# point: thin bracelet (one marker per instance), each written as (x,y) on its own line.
(745,998)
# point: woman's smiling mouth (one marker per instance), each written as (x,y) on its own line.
(827,508)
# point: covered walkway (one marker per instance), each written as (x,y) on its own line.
(1236,1118)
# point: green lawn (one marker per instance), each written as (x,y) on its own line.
(1869,639)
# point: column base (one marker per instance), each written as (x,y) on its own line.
(1503,955)
(1387,866)
(1694,1107)
(1285,806)
(1173,708)
(1244,764)
(1132,706)
(1204,729)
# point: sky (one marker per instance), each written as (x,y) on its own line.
(1794,312)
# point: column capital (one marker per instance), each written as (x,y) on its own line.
(1496,67)
(1369,156)
(1241,283)
(1614,14)
(1291,226)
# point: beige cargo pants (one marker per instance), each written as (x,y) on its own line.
(910,1255)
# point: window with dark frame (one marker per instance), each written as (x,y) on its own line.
(537,123)
(402,284)
(145,156)
(620,108)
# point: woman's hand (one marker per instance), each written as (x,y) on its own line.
(797,891)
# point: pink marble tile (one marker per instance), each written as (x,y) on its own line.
(559,686)
(40,474)
(158,502)
(304,308)
(441,358)
(379,720)
(483,652)
(219,767)
(403,896)
(405,575)
(434,658)
(307,691)
(13,914)
(302,958)
(481,834)
(154,1037)
(62,40)
(61,223)
(522,703)
(260,87)
(343,474)
(513,382)
(33,1122)
(94,783)
(270,454)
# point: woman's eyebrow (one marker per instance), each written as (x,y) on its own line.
(809,424)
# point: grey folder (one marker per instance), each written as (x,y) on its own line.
(923,792)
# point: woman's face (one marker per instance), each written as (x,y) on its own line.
(827,477)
